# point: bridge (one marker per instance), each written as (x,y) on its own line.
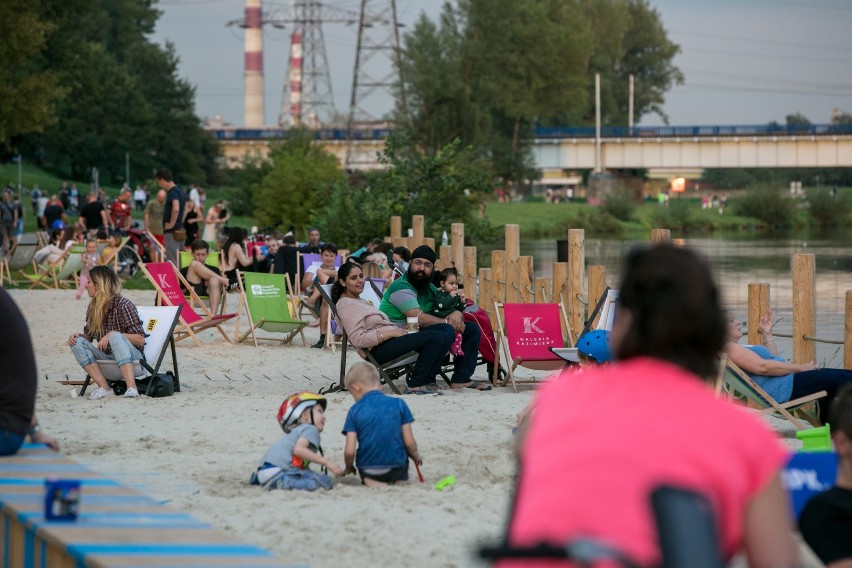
(569,148)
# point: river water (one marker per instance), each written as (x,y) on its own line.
(740,260)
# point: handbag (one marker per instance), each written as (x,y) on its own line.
(179,235)
(159,385)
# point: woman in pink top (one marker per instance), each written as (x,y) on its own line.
(600,442)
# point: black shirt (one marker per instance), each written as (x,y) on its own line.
(91,212)
(17,369)
(53,213)
(826,525)
(285,262)
(174,194)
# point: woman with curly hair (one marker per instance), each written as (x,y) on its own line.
(113,330)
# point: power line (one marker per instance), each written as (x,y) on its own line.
(762,41)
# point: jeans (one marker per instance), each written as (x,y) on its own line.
(432,343)
(829,380)
(9,443)
(123,351)
(464,366)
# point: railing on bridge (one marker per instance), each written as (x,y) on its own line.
(558,132)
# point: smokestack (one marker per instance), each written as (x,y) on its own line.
(253,65)
(295,78)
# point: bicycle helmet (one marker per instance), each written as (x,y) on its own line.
(293,406)
(58,224)
(595,345)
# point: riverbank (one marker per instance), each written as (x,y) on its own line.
(196,449)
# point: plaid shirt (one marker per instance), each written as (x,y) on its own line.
(122,316)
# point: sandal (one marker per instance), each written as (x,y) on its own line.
(420,390)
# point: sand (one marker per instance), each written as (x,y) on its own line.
(196,449)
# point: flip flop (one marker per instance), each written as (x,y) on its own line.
(421,390)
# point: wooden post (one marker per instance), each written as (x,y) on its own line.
(498,277)
(525,279)
(597,285)
(417,223)
(758,305)
(469,272)
(445,258)
(561,288)
(457,243)
(576,273)
(660,236)
(847,333)
(542,290)
(513,241)
(429,242)
(804,307)
(395,227)
(512,276)
(486,298)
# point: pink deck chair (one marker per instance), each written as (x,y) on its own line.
(526,332)
(167,280)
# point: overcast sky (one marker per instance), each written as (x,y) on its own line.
(744,61)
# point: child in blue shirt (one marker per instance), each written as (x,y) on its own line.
(380,427)
(285,464)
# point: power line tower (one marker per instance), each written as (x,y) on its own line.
(375,78)
(307,98)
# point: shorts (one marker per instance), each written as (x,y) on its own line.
(392,475)
(198,287)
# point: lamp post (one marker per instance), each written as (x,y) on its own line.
(20,177)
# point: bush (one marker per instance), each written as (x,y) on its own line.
(827,210)
(620,205)
(767,203)
(678,215)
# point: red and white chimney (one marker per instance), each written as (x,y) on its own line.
(295,78)
(253,112)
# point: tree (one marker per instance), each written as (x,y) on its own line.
(446,187)
(299,182)
(28,88)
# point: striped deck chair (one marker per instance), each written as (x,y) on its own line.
(738,384)
(269,306)
(19,258)
(61,274)
(167,281)
(525,334)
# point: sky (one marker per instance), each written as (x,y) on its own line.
(744,61)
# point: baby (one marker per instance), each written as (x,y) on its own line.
(380,427)
(90,258)
(448,299)
(285,463)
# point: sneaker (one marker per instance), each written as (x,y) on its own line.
(131,393)
(100,393)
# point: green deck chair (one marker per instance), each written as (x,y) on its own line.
(738,384)
(57,275)
(269,306)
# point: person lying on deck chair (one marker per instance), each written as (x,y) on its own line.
(204,279)
(413,295)
(782,380)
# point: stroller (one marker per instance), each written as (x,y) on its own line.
(487,343)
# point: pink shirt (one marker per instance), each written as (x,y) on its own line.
(599,442)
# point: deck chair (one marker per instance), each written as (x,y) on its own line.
(525,333)
(159,323)
(61,274)
(738,384)
(304,261)
(167,281)
(269,306)
(604,313)
(185,257)
(158,251)
(19,258)
(370,294)
(388,371)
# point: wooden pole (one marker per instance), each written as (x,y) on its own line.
(512,274)
(526,278)
(486,297)
(498,277)
(457,244)
(429,242)
(660,236)
(469,272)
(804,307)
(445,257)
(576,274)
(847,334)
(395,227)
(758,305)
(560,293)
(417,223)
(597,285)
(513,241)
(542,290)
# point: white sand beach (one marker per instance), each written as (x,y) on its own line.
(196,449)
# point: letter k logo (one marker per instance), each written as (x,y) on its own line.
(530,325)
(162,280)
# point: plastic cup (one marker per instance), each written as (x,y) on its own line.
(411,324)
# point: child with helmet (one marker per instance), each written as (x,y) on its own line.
(592,349)
(285,463)
(380,427)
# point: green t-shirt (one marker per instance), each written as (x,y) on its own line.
(401,296)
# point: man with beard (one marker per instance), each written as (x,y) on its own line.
(413,294)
